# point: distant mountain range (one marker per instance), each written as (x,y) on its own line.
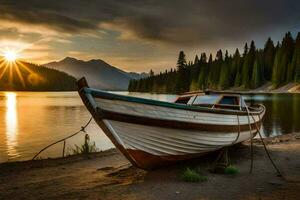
(98,73)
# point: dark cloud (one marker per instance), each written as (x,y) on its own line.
(190,22)
(36,14)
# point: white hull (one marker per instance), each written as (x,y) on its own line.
(165,113)
(161,141)
(151,133)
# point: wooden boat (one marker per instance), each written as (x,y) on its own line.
(153,133)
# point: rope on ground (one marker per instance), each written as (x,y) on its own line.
(64,139)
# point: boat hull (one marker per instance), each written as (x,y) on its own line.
(153,133)
(149,147)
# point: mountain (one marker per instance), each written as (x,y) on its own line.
(23,76)
(135,75)
(99,74)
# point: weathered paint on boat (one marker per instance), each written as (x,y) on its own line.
(153,133)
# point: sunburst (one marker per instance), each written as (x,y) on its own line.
(10,56)
(10,64)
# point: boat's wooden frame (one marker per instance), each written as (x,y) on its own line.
(149,136)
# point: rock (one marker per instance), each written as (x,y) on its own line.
(276,182)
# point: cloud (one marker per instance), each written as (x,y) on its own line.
(27,13)
(142,34)
(190,22)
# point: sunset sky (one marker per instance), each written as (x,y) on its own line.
(139,35)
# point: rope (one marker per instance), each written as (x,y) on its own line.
(239,130)
(266,150)
(251,140)
(81,130)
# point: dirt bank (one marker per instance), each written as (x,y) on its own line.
(268,89)
(108,175)
(288,88)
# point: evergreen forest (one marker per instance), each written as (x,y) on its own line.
(278,64)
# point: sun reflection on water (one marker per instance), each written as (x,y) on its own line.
(11,124)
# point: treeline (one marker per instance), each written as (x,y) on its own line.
(278,64)
(23,76)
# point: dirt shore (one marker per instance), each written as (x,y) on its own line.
(267,88)
(108,175)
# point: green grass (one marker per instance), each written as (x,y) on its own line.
(231,170)
(86,148)
(192,175)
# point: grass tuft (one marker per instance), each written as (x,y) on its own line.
(191,175)
(86,148)
(231,170)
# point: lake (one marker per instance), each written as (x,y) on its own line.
(31,120)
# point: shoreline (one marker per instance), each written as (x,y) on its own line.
(112,151)
(108,175)
(290,88)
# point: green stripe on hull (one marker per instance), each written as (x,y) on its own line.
(107,95)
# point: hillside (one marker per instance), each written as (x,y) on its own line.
(99,74)
(23,76)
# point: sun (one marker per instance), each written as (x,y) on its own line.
(10,56)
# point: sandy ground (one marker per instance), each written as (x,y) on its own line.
(108,175)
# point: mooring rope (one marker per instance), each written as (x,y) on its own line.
(239,131)
(265,147)
(251,139)
(64,139)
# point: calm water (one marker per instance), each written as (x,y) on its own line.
(31,120)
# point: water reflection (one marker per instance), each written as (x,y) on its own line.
(11,124)
(31,120)
(283,113)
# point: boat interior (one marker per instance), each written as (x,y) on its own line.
(214,101)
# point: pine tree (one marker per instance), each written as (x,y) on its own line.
(151,73)
(203,75)
(182,83)
(296,59)
(287,54)
(219,56)
(284,57)
(291,70)
(181,62)
(248,66)
(258,71)
(216,69)
(269,54)
(245,50)
(196,60)
(235,67)
(224,81)
(225,71)
(238,77)
(294,65)
(203,58)
(275,74)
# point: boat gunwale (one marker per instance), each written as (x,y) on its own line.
(110,96)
